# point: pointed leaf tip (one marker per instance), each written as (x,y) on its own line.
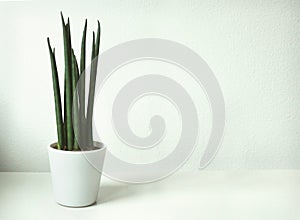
(62,18)
(49,45)
(85,24)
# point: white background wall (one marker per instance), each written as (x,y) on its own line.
(252,46)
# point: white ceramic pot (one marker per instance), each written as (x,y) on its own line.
(76,175)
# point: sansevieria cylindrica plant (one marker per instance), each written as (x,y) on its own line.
(74,126)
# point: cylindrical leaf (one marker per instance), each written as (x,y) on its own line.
(57,99)
(91,94)
(75,76)
(68,78)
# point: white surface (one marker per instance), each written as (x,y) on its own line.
(213,195)
(253,47)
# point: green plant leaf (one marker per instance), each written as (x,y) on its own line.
(57,98)
(68,85)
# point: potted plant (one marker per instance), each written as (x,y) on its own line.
(75,179)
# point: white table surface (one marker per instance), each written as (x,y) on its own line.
(207,195)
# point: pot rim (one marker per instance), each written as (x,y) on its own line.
(101,148)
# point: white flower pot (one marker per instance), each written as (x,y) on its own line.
(76,175)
